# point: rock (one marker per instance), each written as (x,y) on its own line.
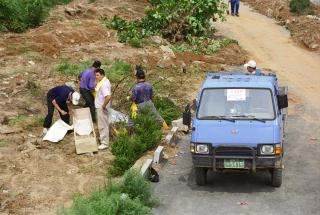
(179,123)
(4,129)
(269,13)
(156,39)
(31,62)
(167,52)
(314,46)
(73,11)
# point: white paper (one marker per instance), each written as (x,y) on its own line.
(83,126)
(57,131)
(236,94)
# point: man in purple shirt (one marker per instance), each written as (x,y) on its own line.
(87,85)
(142,94)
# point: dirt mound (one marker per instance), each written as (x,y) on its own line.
(304,29)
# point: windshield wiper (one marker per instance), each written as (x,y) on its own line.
(218,118)
(251,117)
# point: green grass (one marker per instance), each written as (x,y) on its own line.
(117,70)
(26,122)
(300,6)
(71,69)
(167,109)
(131,196)
(17,120)
(3,143)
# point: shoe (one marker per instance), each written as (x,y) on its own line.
(45,130)
(232,14)
(237,15)
(102,146)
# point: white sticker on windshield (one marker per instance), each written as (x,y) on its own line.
(236,94)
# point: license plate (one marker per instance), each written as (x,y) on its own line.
(234,163)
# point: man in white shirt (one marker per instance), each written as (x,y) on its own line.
(102,103)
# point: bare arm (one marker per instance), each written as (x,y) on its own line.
(55,104)
(106,101)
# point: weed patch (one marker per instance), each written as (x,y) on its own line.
(204,45)
(146,134)
(300,6)
(27,123)
(70,69)
(130,196)
(20,15)
(167,109)
(3,143)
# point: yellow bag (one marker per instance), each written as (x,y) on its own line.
(134,110)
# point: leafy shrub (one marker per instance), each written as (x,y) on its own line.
(118,70)
(172,19)
(20,15)
(167,109)
(130,196)
(127,149)
(299,6)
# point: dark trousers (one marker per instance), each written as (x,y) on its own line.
(235,4)
(89,99)
(48,120)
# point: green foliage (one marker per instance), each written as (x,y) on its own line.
(127,149)
(70,69)
(20,15)
(26,122)
(131,196)
(167,109)
(3,143)
(203,45)
(172,19)
(299,6)
(118,70)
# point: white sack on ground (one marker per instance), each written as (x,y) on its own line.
(57,131)
(82,126)
(116,116)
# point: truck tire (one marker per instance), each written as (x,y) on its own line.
(276,177)
(201,176)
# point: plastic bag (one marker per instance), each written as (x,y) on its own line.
(154,176)
(116,116)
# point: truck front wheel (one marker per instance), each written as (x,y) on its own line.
(276,177)
(201,175)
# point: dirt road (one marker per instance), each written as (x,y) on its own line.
(241,193)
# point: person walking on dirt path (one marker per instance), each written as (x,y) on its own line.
(235,4)
(57,97)
(142,94)
(251,67)
(87,86)
(102,104)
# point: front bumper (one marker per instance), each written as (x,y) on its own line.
(252,160)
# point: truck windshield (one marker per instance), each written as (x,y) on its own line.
(236,104)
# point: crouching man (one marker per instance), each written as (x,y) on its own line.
(57,97)
(102,103)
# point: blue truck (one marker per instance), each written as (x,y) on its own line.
(239,124)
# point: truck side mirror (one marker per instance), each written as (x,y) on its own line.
(282,101)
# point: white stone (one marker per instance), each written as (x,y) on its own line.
(179,123)
(169,138)
(174,129)
(145,168)
(168,51)
(158,155)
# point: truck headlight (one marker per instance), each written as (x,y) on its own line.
(202,149)
(267,149)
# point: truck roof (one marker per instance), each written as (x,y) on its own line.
(230,80)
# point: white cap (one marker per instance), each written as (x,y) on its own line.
(75,98)
(251,64)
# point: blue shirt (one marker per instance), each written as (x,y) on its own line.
(142,92)
(60,93)
(88,78)
(258,72)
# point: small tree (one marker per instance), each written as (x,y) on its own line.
(299,6)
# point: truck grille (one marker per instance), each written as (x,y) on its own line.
(234,151)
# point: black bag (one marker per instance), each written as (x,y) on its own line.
(154,176)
